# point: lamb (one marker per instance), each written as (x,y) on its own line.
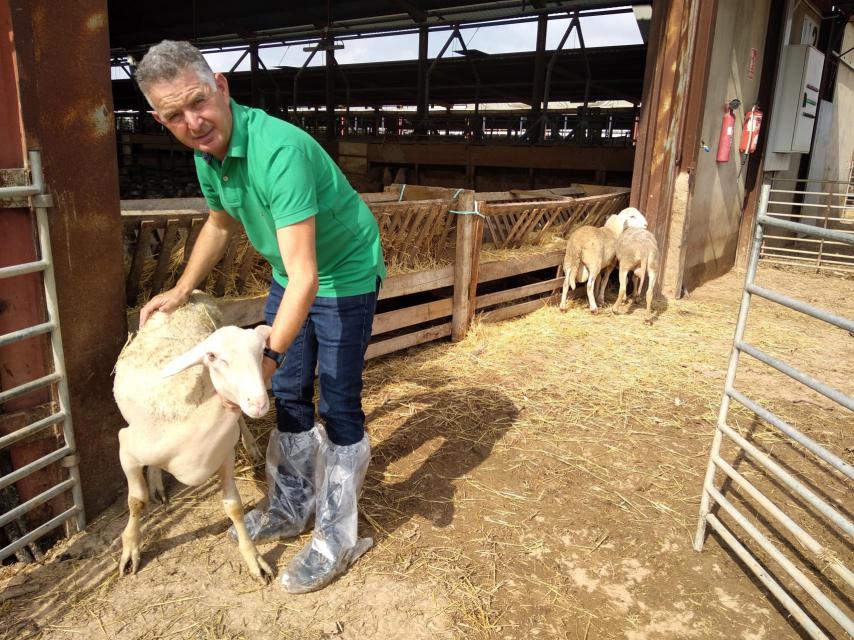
(176,419)
(637,251)
(590,255)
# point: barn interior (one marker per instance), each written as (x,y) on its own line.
(539,473)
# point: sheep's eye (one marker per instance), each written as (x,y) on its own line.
(211,356)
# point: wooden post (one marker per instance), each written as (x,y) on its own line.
(469,239)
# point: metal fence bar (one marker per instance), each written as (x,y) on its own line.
(807,229)
(35,465)
(787,479)
(772,585)
(23,432)
(828,265)
(741,325)
(803,307)
(29,332)
(32,503)
(803,378)
(38,532)
(794,434)
(788,566)
(822,554)
(824,558)
(23,269)
(67,453)
(32,385)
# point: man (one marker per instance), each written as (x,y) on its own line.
(323,243)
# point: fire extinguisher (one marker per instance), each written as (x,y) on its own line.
(750,133)
(727,126)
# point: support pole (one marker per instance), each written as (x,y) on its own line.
(254,73)
(535,132)
(421,115)
(330,96)
(466,265)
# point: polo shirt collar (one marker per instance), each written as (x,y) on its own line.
(239,134)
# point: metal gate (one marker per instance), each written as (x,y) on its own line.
(66,454)
(827,205)
(821,556)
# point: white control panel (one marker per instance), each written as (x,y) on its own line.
(795,111)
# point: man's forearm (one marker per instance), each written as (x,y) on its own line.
(293,310)
(209,248)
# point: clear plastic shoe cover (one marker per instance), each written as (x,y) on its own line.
(335,544)
(290,468)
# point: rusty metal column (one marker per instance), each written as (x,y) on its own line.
(67,113)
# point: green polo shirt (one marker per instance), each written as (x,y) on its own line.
(275,175)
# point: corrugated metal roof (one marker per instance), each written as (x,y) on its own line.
(221,22)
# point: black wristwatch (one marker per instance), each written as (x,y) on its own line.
(276,356)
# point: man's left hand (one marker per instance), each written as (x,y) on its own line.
(268,368)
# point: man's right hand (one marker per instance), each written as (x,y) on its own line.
(166,302)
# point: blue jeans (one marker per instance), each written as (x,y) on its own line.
(333,340)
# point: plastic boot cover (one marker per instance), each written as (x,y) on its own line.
(334,544)
(284,513)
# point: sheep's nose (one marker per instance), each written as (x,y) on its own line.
(257,406)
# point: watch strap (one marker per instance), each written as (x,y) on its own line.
(276,356)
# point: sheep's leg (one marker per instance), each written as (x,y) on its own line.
(137,497)
(650,287)
(603,283)
(621,296)
(233,506)
(591,292)
(639,280)
(156,492)
(636,285)
(249,442)
(565,293)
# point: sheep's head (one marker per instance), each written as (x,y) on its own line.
(628,218)
(233,358)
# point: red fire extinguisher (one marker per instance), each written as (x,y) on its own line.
(750,133)
(727,125)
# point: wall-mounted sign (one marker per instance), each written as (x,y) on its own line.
(751,68)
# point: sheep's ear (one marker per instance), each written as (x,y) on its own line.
(194,356)
(264,330)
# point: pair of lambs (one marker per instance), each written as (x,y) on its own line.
(175,415)
(593,252)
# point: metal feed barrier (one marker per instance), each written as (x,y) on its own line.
(65,455)
(822,557)
(829,205)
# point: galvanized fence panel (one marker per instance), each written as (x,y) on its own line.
(823,205)
(66,454)
(713,498)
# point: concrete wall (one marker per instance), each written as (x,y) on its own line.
(715,202)
(835,162)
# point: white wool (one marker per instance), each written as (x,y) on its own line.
(138,380)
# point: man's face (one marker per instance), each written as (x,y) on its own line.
(196,113)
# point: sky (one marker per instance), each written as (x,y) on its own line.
(598,31)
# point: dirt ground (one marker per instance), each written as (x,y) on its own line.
(540,479)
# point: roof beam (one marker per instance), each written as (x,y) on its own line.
(415,12)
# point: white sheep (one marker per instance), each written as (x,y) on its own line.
(590,255)
(176,419)
(637,251)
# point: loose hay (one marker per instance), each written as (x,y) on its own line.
(540,478)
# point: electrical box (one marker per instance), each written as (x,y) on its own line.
(795,111)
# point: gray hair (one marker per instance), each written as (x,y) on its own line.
(167,60)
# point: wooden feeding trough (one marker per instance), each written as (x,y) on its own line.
(440,271)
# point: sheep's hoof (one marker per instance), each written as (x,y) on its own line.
(648,320)
(129,562)
(262,570)
(562,309)
(594,310)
